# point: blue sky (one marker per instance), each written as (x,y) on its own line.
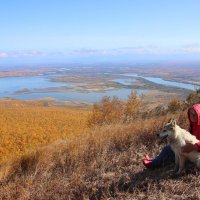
(85,28)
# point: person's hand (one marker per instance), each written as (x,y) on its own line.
(189,147)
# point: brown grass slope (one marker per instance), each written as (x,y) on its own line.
(103,164)
(25,126)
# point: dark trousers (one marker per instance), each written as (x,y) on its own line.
(165,156)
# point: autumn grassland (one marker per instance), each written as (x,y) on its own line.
(92,154)
(25,126)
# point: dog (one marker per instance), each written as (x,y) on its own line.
(177,137)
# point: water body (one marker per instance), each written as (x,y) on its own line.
(77,96)
(165,82)
(10,85)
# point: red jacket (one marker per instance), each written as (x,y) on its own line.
(195,126)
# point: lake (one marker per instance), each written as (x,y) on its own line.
(10,86)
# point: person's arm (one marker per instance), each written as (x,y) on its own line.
(198,145)
(190,147)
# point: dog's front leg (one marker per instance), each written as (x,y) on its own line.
(181,164)
(176,163)
(198,163)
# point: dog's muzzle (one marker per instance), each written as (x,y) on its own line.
(164,137)
(161,138)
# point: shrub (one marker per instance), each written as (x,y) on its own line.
(193,97)
(108,110)
(159,110)
(132,107)
(112,110)
(175,105)
(133,104)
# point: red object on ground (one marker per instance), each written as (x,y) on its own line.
(147,157)
(147,163)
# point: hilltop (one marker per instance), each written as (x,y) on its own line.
(102,163)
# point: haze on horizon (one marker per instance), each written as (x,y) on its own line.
(48,31)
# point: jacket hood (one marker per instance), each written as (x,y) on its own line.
(196,108)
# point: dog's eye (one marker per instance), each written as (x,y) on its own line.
(164,130)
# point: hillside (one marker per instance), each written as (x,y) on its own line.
(102,163)
(27,125)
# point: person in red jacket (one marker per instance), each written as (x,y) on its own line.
(167,155)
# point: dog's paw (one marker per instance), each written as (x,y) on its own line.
(179,172)
(176,174)
(176,169)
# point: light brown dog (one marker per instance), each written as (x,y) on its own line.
(177,137)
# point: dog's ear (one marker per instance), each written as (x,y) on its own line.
(170,120)
(173,123)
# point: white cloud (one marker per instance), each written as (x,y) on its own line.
(112,52)
(3,54)
(189,48)
(18,54)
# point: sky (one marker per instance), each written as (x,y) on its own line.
(36,30)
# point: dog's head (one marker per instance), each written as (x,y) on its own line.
(168,131)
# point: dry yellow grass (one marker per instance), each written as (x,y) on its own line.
(104,163)
(26,126)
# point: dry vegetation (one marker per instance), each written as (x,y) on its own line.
(24,126)
(104,163)
(114,110)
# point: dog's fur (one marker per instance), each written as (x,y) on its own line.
(177,138)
